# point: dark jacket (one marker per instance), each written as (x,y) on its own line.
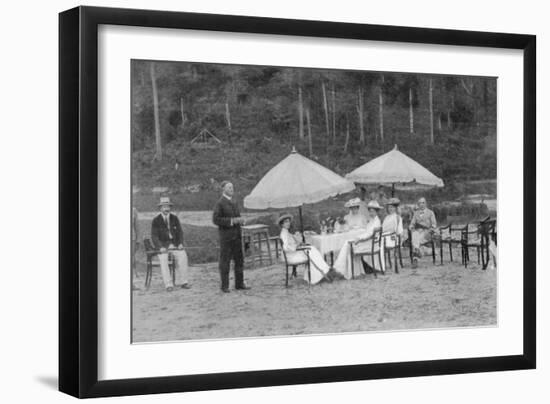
(223,212)
(160,235)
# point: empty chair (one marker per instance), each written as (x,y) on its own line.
(450,235)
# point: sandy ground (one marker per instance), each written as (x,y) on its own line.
(428,297)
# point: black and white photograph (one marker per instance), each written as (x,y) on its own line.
(273,201)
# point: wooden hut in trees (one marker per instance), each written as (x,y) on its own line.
(205,139)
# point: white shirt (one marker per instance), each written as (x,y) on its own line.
(289,242)
(393,224)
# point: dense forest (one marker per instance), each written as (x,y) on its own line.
(194,124)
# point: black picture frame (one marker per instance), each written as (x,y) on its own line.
(78,201)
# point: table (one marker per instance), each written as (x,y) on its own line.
(331,242)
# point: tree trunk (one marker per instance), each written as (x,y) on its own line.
(310,141)
(360,115)
(347,136)
(411,111)
(333,115)
(158,154)
(449,119)
(300,113)
(431,112)
(381,110)
(182,114)
(228,117)
(325,105)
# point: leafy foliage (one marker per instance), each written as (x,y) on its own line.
(261,103)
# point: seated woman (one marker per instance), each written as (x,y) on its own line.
(422,226)
(361,244)
(354,219)
(296,252)
(392,222)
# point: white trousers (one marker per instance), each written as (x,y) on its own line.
(181,268)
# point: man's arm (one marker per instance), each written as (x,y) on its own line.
(412,224)
(218,218)
(154,234)
(179,232)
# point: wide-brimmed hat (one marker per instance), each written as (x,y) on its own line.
(393,201)
(355,202)
(283,217)
(164,200)
(374,205)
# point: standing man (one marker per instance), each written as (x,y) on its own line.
(228,219)
(422,226)
(167,237)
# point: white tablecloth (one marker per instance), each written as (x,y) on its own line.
(326,243)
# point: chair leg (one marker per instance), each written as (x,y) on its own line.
(395,259)
(148,273)
(441,252)
(373,266)
(268,249)
(433,252)
(389,259)
(173,271)
(451,250)
(400,256)
(478,255)
(286,276)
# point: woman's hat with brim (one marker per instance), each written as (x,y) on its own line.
(374,205)
(353,203)
(393,201)
(164,200)
(284,217)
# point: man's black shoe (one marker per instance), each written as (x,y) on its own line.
(225,290)
(243,287)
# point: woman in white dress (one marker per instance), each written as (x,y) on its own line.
(296,252)
(392,222)
(354,219)
(361,244)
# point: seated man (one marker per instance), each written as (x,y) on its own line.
(167,237)
(422,226)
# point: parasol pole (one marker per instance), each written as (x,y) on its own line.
(302,224)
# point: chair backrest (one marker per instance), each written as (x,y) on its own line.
(280,241)
(377,238)
(390,236)
(487,228)
(470,229)
(148,245)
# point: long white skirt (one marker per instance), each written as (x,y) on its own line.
(343,261)
(319,267)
